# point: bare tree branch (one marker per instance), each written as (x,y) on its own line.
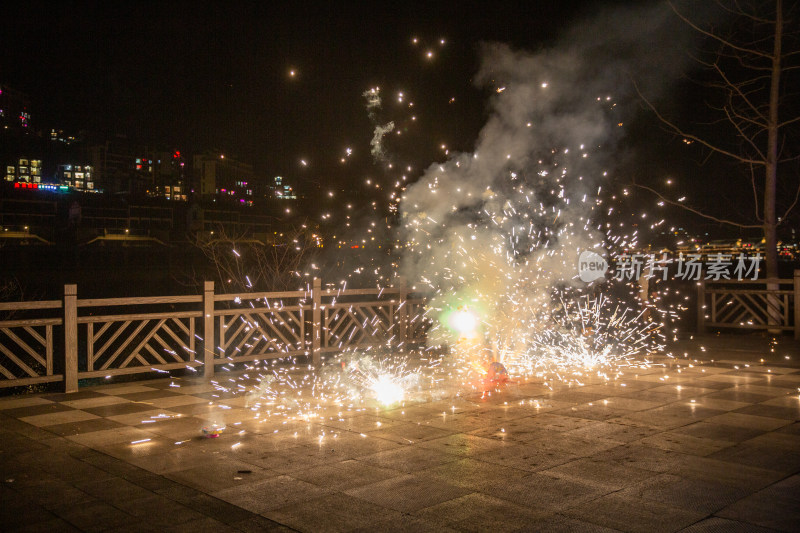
(743,135)
(247,264)
(705,143)
(731,108)
(695,211)
(739,11)
(792,206)
(717,38)
(790,121)
(736,88)
(755,192)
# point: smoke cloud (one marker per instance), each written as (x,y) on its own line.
(373,97)
(499,230)
(377,149)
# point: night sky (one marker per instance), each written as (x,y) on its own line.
(198,76)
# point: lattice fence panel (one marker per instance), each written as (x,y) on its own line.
(418,321)
(349,325)
(749,309)
(26,349)
(140,341)
(247,335)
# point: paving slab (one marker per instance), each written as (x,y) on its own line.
(336,512)
(479,512)
(402,493)
(714,446)
(625,513)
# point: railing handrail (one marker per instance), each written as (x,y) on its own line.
(360,292)
(30,322)
(260,295)
(764,281)
(93,319)
(748,291)
(114,336)
(138,300)
(28,305)
(750,308)
(260,310)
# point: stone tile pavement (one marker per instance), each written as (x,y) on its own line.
(705,442)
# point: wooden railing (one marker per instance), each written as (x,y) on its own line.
(27,345)
(72,339)
(750,304)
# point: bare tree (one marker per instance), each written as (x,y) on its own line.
(243,263)
(11,290)
(751,63)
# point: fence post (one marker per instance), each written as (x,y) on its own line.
(402,313)
(797,305)
(701,302)
(209,343)
(70,338)
(316,322)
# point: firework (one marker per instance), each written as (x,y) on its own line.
(492,239)
(389,379)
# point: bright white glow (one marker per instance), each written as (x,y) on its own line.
(464,322)
(387,390)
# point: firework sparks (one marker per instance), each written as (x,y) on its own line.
(491,238)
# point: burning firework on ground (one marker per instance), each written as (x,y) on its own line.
(389,379)
(492,239)
(494,235)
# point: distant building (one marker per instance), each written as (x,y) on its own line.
(221,176)
(78,177)
(282,191)
(14,109)
(122,167)
(169,178)
(61,137)
(25,171)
